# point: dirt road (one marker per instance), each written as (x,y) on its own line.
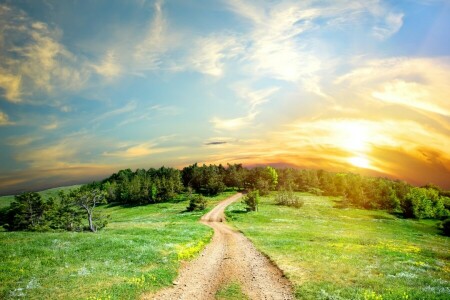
(229,257)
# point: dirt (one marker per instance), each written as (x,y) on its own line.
(230,257)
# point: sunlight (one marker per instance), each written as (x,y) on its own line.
(353,136)
(360,162)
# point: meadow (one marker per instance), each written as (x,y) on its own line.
(140,250)
(345,253)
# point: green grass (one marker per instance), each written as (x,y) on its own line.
(231,291)
(137,252)
(332,253)
(6,200)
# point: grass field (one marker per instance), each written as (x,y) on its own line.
(139,251)
(332,253)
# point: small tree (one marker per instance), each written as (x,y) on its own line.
(88,199)
(252,200)
(197,202)
(27,212)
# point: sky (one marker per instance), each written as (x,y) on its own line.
(91,87)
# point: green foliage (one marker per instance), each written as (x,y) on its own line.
(251,200)
(27,212)
(143,186)
(445,226)
(423,203)
(207,180)
(288,198)
(197,202)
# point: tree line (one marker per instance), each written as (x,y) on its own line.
(75,210)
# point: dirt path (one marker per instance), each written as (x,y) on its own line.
(229,257)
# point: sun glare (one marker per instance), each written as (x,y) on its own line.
(360,162)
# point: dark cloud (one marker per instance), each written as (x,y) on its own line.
(216,143)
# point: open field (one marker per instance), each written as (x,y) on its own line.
(332,253)
(139,251)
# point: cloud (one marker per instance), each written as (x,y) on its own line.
(254,97)
(148,54)
(33,62)
(21,141)
(417,83)
(4,119)
(51,126)
(129,107)
(216,143)
(233,123)
(392,23)
(139,150)
(210,53)
(11,85)
(109,66)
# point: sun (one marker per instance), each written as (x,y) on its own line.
(360,162)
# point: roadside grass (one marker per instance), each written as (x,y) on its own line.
(5,201)
(139,251)
(231,291)
(332,253)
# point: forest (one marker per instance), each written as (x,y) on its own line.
(75,210)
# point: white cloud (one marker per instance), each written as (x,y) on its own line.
(391,25)
(209,54)
(148,53)
(129,107)
(109,66)
(255,97)
(234,123)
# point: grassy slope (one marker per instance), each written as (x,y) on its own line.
(137,252)
(332,253)
(6,200)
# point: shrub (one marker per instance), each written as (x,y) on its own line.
(251,200)
(197,202)
(288,198)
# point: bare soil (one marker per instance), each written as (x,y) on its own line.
(229,257)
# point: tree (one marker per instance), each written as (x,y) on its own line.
(88,199)
(27,212)
(251,200)
(65,213)
(197,202)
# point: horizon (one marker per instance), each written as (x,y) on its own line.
(87,89)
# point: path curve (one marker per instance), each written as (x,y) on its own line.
(229,257)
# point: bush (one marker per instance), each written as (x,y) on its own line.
(251,200)
(288,198)
(197,202)
(423,203)
(445,226)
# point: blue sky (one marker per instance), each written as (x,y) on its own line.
(90,87)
